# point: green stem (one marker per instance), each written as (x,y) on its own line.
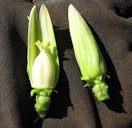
(101,91)
(43,101)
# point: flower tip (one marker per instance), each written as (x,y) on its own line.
(71,6)
(43,7)
(72,13)
(43,13)
(42,45)
(34,8)
(33,11)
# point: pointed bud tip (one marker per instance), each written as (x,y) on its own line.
(73,14)
(34,8)
(43,8)
(70,8)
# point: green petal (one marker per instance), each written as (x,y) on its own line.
(47,35)
(87,53)
(32,52)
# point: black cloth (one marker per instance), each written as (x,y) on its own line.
(74,106)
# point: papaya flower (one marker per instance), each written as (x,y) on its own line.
(42,59)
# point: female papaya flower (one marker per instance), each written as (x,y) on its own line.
(88,54)
(42,59)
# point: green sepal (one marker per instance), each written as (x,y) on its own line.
(85,78)
(44,92)
(86,85)
(32,52)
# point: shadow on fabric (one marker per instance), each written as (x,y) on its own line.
(116,100)
(95,110)
(61,101)
(123,12)
(26,103)
(130,47)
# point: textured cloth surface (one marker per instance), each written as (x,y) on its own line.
(74,106)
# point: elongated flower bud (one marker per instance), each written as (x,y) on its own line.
(88,54)
(43,60)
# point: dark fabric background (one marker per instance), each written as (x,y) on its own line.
(74,106)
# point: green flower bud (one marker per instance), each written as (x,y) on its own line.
(88,55)
(42,59)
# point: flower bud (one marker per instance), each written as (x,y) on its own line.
(42,60)
(88,55)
